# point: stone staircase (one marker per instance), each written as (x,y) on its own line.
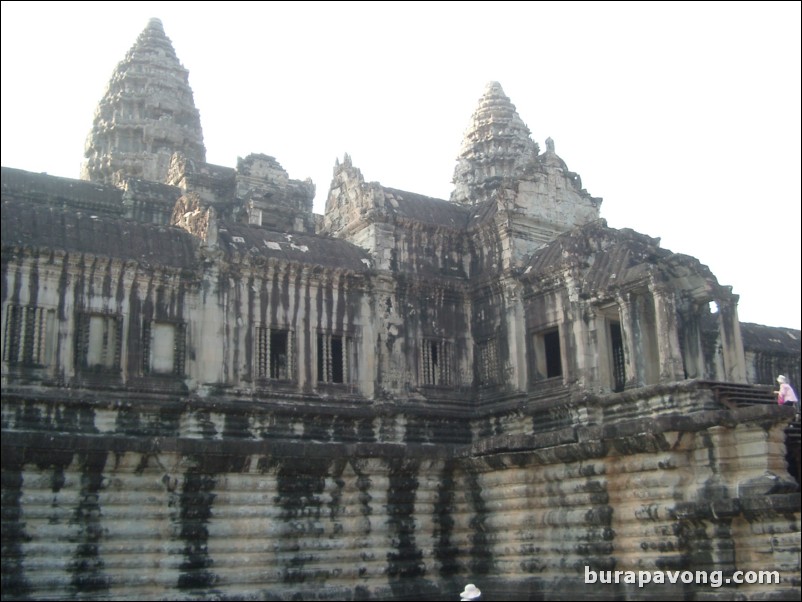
(738,395)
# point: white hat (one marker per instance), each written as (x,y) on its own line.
(780,379)
(471,592)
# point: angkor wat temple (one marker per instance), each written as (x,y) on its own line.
(211,392)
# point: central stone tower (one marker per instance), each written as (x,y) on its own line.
(146,114)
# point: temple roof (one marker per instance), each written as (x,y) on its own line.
(771,339)
(604,258)
(65,229)
(426,210)
(296,247)
(57,191)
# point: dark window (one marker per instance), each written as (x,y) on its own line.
(436,363)
(619,367)
(98,341)
(488,363)
(547,355)
(274,354)
(554,365)
(26,338)
(333,358)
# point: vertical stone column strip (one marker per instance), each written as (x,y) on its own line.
(691,340)
(516,340)
(625,305)
(668,348)
(590,351)
(732,348)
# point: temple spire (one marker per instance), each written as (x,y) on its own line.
(146,114)
(496,145)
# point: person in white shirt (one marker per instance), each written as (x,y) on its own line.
(786,395)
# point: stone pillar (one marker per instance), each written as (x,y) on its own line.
(625,304)
(668,347)
(514,373)
(589,352)
(732,347)
(369,363)
(306,325)
(689,330)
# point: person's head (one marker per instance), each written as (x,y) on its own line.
(781,379)
(471,592)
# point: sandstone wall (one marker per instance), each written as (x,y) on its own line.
(153,497)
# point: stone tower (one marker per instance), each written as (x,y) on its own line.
(496,145)
(146,114)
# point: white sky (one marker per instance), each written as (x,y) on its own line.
(684,117)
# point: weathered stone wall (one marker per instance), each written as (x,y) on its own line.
(210,482)
(271,199)
(404,232)
(386,402)
(114,497)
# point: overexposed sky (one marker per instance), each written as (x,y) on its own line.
(683,117)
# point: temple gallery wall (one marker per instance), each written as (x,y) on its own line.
(210,392)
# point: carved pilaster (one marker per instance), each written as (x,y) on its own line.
(668,347)
(516,329)
(626,305)
(732,349)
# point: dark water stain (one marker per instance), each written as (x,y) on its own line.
(481,553)
(299,496)
(14,582)
(87,567)
(405,566)
(445,551)
(236,426)
(195,505)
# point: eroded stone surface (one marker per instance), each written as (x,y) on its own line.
(211,393)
